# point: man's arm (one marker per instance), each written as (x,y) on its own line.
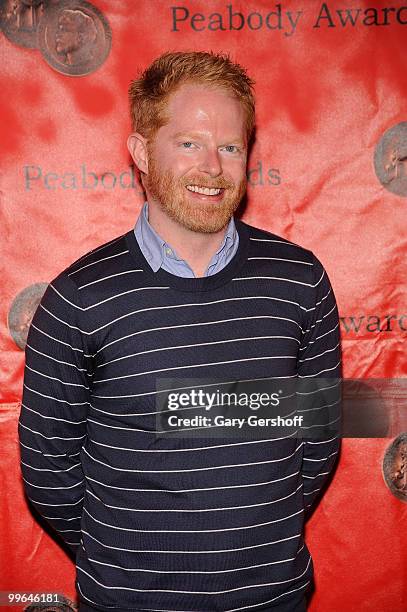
(52,424)
(319,371)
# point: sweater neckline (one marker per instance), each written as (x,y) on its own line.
(205,283)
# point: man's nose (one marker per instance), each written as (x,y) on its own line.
(210,162)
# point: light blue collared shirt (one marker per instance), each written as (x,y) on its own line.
(160,254)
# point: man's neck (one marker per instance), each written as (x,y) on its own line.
(196,248)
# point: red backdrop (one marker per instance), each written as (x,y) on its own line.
(331,80)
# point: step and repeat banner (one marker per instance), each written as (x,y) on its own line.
(328,170)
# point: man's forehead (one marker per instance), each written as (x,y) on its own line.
(190,92)
(192,106)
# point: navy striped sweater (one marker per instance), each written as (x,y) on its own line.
(178,524)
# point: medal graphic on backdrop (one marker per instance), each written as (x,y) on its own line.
(390,159)
(74,37)
(22,311)
(395,467)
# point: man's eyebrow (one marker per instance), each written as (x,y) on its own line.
(187,134)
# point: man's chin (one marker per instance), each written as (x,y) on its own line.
(201,228)
(202,219)
(201,225)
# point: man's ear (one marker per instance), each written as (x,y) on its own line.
(137,146)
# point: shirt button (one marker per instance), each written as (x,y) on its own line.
(168,251)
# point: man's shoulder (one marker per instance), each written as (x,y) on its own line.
(265,241)
(103,260)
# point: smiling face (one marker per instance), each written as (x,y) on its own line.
(196,163)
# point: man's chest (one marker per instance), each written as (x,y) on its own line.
(227,335)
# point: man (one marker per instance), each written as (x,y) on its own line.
(179,523)
(75,37)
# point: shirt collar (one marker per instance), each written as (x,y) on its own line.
(156,249)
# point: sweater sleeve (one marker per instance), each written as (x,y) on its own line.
(319,371)
(52,423)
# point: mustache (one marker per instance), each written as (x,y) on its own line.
(219,183)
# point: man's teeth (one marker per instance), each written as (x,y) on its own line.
(203,190)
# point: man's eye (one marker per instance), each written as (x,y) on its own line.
(187,145)
(231,148)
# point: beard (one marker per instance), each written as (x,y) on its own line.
(173,197)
